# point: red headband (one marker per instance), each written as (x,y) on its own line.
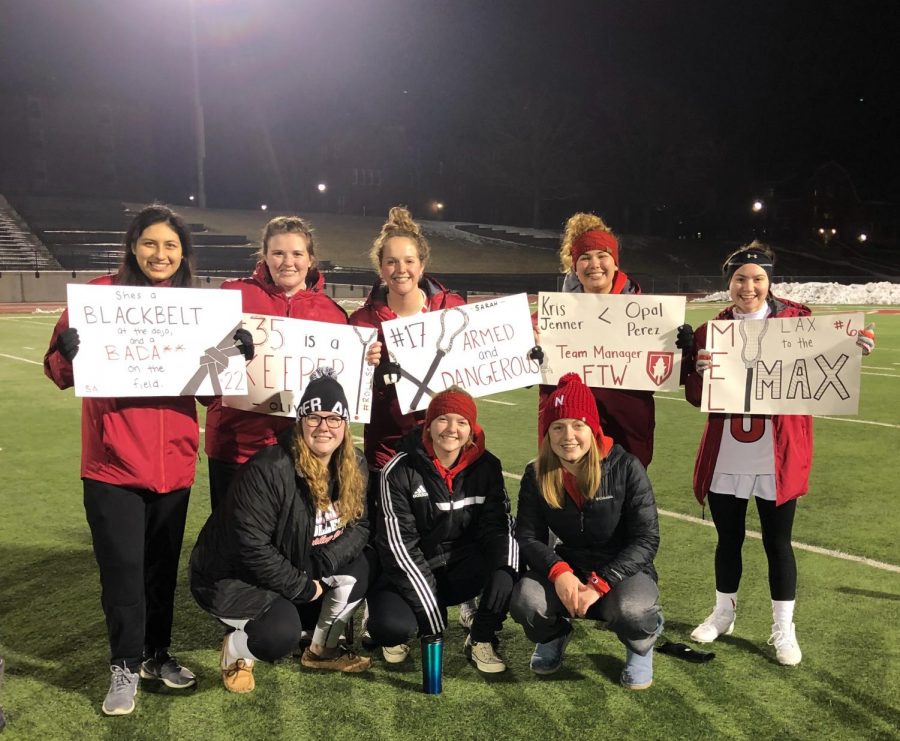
(596,239)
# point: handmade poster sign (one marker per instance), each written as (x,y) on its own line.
(798,365)
(611,341)
(481,347)
(147,341)
(288,350)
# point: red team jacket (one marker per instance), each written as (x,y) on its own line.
(388,423)
(791,434)
(233,435)
(145,443)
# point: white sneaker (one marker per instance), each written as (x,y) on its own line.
(467,613)
(485,656)
(719,622)
(787,650)
(395,654)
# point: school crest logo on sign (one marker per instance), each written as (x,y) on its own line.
(659,366)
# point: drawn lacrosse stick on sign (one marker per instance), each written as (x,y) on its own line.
(449,317)
(752,332)
(365,341)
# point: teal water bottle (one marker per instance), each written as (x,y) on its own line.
(432,664)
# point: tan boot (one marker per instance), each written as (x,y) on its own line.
(343,661)
(237,676)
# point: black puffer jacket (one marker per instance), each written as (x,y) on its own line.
(256,545)
(615,534)
(424,526)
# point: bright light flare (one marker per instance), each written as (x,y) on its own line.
(757,206)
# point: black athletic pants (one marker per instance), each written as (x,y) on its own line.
(137,536)
(221,474)
(776,522)
(392,620)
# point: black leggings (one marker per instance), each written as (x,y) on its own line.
(776,522)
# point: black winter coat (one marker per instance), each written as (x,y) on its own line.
(424,527)
(256,545)
(615,534)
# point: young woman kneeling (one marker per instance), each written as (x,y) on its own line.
(445,535)
(284,550)
(598,500)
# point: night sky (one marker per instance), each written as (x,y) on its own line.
(774,88)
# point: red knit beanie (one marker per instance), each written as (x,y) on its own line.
(571,400)
(452,401)
(596,239)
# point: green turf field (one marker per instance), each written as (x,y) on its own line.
(52,631)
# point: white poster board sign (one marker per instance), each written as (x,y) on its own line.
(482,347)
(148,341)
(797,365)
(288,350)
(611,341)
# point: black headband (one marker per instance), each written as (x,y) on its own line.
(748,257)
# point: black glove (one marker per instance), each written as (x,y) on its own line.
(536,353)
(498,590)
(388,373)
(67,343)
(243,341)
(685,339)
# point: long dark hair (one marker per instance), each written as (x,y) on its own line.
(130,273)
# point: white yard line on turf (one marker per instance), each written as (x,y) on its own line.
(16,357)
(497,401)
(817,416)
(753,534)
(883,375)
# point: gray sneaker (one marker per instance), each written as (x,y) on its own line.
(122,690)
(166,669)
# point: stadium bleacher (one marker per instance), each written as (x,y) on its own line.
(86,234)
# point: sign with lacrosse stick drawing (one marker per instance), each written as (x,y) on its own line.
(288,350)
(611,341)
(148,341)
(481,347)
(797,365)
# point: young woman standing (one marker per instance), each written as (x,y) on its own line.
(138,458)
(589,256)
(764,457)
(285,283)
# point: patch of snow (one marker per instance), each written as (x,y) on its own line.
(826,293)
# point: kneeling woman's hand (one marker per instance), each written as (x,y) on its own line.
(568,588)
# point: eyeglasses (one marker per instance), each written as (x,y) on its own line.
(314,420)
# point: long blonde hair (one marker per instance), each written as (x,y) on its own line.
(399,224)
(549,472)
(577,225)
(343,465)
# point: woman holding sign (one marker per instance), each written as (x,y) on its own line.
(597,498)
(399,255)
(285,283)
(285,550)
(589,256)
(765,457)
(138,459)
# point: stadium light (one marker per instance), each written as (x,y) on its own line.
(757,206)
(191,198)
(264,207)
(862,237)
(322,187)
